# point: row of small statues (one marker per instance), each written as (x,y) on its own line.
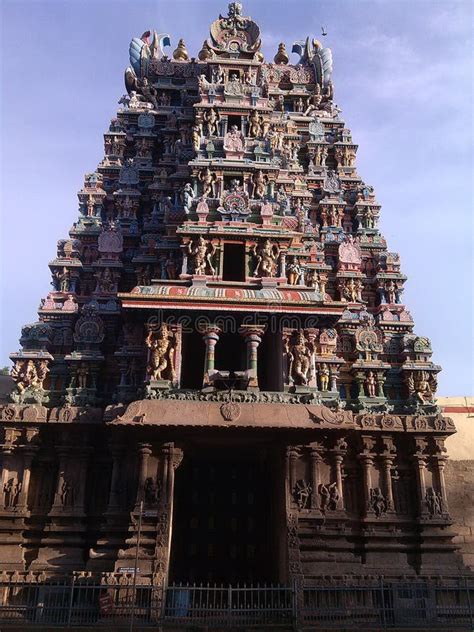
(329,496)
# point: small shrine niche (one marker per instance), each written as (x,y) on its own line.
(234,262)
(230,353)
(193,360)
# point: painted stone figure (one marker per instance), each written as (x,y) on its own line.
(300,359)
(201,253)
(161,356)
(267,255)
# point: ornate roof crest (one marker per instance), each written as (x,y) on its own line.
(234,34)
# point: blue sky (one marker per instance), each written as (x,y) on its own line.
(403,78)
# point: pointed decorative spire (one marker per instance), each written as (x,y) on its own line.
(205,53)
(282,56)
(181,54)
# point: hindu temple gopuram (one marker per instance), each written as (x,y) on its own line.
(225,353)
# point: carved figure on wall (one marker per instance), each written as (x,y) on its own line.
(150,492)
(377,501)
(267,256)
(293,271)
(196,137)
(82,374)
(28,373)
(391,292)
(329,497)
(250,77)
(234,140)
(11,491)
(349,252)
(300,359)
(164,100)
(170,267)
(233,86)
(148,92)
(66,494)
(63,280)
(259,185)
(187,197)
(316,280)
(434,502)
(211,119)
(160,342)
(277,138)
(321,155)
(371,384)
(422,385)
(218,75)
(351,290)
(105,281)
(283,201)
(323,377)
(314,101)
(302,493)
(370,218)
(255,124)
(208,180)
(201,252)
(299,106)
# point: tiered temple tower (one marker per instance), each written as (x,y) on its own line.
(225,347)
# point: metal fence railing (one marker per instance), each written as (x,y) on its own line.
(381,605)
(385,605)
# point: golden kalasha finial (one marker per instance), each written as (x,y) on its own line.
(282,56)
(181,54)
(205,53)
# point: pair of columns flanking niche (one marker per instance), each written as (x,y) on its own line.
(252,334)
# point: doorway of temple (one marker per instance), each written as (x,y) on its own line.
(224,519)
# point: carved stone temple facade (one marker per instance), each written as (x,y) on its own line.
(225,349)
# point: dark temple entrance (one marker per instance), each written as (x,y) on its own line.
(223,524)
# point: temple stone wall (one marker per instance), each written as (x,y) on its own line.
(460,472)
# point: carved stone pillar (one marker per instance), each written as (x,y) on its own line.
(28,455)
(439,463)
(211,338)
(184,265)
(312,336)
(283,265)
(253,337)
(333,375)
(338,459)
(387,457)
(315,460)
(420,460)
(171,458)
(144,452)
(293,455)
(380,378)
(6,456)
(360,379)
(243,126)
(366,458)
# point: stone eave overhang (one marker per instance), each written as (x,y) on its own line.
(238,229)
(289,302)
(175,413)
